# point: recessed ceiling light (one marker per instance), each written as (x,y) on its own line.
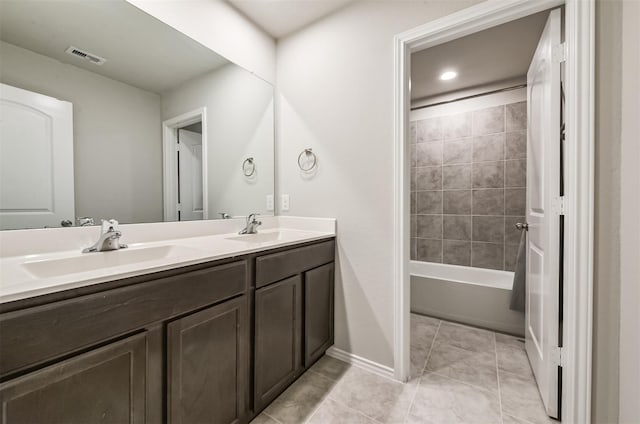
(449,75)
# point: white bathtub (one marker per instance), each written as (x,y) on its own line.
(474,296)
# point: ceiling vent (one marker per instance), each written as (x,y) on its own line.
(96,60)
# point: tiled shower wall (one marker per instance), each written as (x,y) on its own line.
(468,184)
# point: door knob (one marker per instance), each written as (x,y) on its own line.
(522,226)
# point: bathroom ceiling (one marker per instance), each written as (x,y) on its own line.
(282,17)
(497,54)
(131,41)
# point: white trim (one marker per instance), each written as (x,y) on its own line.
(360,362)
(579,179)
(169,158)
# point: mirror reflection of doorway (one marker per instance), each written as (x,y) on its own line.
(190,199)
(184,147)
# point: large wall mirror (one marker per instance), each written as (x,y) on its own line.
(106,112)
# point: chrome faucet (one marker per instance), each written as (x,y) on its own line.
(109,238)
(252,225)
(85,221)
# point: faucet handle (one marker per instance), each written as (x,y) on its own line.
(109,225)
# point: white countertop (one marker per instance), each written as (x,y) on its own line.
(20,277)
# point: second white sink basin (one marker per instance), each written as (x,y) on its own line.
(98,260)
(258,238)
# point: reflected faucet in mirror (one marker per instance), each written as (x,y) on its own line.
(109,238)
(252,225)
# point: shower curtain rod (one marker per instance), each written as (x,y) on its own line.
(473,96)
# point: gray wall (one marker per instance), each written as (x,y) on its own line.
(240,124)
(606,290)
(116,130)
(629,213)
(468,184)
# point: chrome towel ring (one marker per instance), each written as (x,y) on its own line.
(248,167)
(307,160)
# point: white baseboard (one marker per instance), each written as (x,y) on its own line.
(360,362)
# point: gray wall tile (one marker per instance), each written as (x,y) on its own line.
(511,233)
(488,121)
(510,255)
(457,126)
(488,175)
(429,178)
(429,226)
(413,183)
(429,130)
(413,132)
(488,147)
(516,116)
(488,228)
(457,151)
(457,202)
(515,173)
(429,250)
(456,227)
(456,176)
(429,154)
(429,202)
(456,252)
(464,163)
(413,225)
(412,249)
(487,255)
(489,201)
(515,201)
(412,155)
(516,145)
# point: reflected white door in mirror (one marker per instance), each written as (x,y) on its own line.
(36,160)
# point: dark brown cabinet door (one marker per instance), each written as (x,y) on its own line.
(106,385)
(208,365)
(278,345)
(318,312)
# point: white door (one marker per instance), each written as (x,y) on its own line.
(190,175)
(36,160)
(543,210)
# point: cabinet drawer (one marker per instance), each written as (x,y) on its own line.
(35,335)
(277,266)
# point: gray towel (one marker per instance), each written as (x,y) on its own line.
(520,276)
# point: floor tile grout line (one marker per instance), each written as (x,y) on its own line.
(415,393)
(315,410)
(273,418)
(466,383)
(328,395)
(352,409)
(495,349)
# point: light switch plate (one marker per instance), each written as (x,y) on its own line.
(284,202)
(269,202)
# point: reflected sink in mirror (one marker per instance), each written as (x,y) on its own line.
(259,238)
(48,268)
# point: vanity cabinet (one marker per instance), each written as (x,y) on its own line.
(277,345)
(208,343)
(207,358)
(318,307)
(293,316)
(105,385)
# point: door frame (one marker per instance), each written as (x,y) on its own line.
(170,156)
(579,180)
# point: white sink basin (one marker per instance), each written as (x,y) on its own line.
(98,260)
(258,238)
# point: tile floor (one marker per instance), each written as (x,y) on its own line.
(459,375)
